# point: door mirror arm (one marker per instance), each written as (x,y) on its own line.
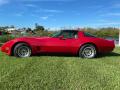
(61,37)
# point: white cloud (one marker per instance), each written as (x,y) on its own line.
(52,11)
(46,0)
(114,14)
(2,2)
(48,11)
(111,14)
(111,23)
(19,14)
(116,5)
(106,24)
(30,5)
(44,17)
(78,14)
(102,20)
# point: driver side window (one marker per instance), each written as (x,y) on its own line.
(70,34)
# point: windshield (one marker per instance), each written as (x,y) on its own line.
(57,34)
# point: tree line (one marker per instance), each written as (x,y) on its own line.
(40,30)
(103,32)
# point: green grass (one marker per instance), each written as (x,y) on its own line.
(60,73)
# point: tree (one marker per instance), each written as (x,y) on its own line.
(28,30)
(39,27)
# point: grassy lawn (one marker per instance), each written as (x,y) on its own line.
(60,73)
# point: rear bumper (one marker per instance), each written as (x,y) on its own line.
(106,49)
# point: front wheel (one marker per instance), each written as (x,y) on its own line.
(22,50)
(88,51)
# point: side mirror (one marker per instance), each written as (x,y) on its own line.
(61,37)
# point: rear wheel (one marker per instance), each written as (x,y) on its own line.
(22,50)
(88,51)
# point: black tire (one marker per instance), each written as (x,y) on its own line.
(22,50)
(88,51)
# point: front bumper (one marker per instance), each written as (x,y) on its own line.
(6,48)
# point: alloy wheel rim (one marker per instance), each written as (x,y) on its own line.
(23,51)
(89,52)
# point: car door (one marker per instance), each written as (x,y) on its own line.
(66,44)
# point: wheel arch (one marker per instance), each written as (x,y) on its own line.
(88,43)
(12,49)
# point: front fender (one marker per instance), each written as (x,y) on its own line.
(6,48)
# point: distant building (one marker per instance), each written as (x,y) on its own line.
(10,30)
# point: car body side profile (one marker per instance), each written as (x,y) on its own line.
(72,42)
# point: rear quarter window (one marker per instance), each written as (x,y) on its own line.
(88,35)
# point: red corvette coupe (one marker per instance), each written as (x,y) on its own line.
(72,42)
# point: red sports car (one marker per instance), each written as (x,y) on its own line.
(72,42)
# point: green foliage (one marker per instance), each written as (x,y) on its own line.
(43,33)
(103,32)
(5,38)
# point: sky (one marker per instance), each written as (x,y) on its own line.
(60,13)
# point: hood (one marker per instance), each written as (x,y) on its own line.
(21,38)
